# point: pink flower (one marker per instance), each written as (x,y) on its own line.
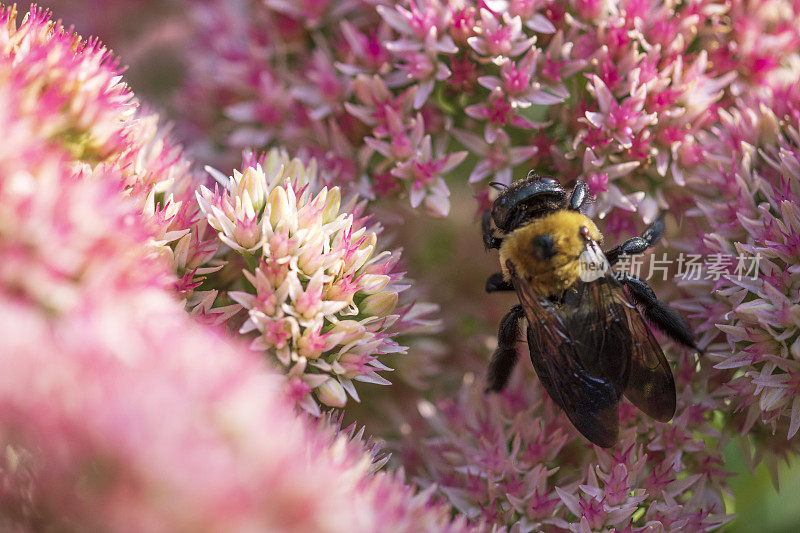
(418,19)
(514,460)
(620,121)
(497,159)
(597,183)
(517,82)
(499,113)
(529,12)
(498,41)
(462,23)
(367,53)
(424,171)
(754,221)
(316,290)
(98,353)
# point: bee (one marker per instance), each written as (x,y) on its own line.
(588,333)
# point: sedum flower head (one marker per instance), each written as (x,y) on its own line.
(513,460)
(319,295)
(749,316)
(619,88)
(118,411)
(69,87)
(115,357)
(73,100)
(126,414)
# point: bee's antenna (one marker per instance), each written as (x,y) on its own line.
(498,186)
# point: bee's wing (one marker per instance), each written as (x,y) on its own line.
(578,350)
(651,386)
(648,384)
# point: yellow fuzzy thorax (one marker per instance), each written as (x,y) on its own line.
(548,277)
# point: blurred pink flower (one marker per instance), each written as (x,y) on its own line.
(118,412)
(760,40)
(498,158)
(125,414)
(501,39)
(71,94)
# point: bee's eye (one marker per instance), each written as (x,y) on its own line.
(584,232)
(543,246)
(499,211)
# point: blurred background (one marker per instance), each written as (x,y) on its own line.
(152,37)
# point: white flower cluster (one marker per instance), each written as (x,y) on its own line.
(320,297)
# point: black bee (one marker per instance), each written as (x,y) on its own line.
(587,336)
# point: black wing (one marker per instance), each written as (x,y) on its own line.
(651,386)
(580,353)
(592,347)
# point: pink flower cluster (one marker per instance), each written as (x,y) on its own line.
(317,83)
(121,413)
(614,92)
(750,323)
(118,411)
(124,407)
(198,235)
(320,296)
(628,95)
(515,459)
(71,96)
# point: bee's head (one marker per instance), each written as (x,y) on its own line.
(525,200)
(559,237)
(551,250)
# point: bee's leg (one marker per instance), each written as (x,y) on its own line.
(658,313)
(489,240)
(506,356)
(638,245)
(578,197)
(496,283)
